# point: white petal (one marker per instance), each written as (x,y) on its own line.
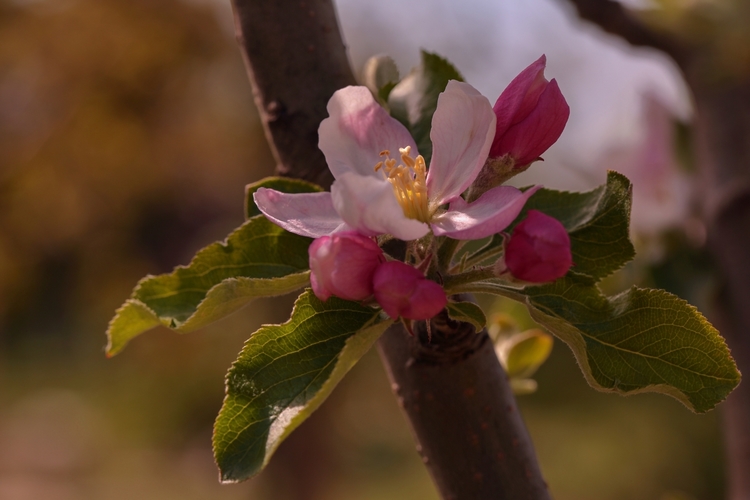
(368,205)
(463,127)
(357,130)
(490,214)
(306,214)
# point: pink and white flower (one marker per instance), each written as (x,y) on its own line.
(382,185)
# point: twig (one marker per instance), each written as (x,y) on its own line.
(614,18)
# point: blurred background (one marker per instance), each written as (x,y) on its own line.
(127,134)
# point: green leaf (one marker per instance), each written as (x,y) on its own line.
(467,312)
(385,91)
(283,184)
(638,341)
(283,374)
(522,354)
(259,259)
(380,75)
(597,221)
(414,99)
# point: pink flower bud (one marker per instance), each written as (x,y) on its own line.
(402,290)
(531,114)
(539,249)
(343,265)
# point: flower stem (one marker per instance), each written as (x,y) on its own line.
(482,273)
(480,256)
(445,253)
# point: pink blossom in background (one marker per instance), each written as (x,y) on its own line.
(662,188)
(403,291)
(531,115)
(539,249)
(343,265)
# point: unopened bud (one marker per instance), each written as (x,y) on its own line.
(539,249)
(531,114)
(343,265)
(403,291)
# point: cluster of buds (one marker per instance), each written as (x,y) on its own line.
(353,267)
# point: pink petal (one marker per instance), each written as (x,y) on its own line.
(519,97)
(529,138)
(357,130)
(462,130)
(490,214)
(306,214)
(369,205)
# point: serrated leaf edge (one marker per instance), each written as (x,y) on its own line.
(297,281)
(577,344)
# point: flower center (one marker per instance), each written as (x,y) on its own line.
(409,182)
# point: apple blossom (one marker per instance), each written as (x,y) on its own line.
(343,265)
(383,186)
(539,249)
(403,291)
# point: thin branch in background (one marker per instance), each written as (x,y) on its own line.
(614,18)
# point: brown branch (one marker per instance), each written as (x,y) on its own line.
(614,18)
(722,130)
(454,391)
(462,411)
(296,60)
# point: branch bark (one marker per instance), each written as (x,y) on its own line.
(453,390)
(464,417)
(614,18)
(296,60)
(722,126)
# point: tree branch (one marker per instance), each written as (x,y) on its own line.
(614,18)
(722,131)
(453,390)
(462,411)
(296,60)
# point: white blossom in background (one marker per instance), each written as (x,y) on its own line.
(490,41)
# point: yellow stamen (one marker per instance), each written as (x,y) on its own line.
(409,181)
